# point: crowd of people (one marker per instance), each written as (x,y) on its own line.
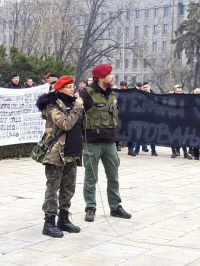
(66,118)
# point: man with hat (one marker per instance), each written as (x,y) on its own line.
(139,86)
(14,83)
(51,78)
(100,133)
(62,113)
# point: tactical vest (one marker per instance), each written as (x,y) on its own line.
(99,116)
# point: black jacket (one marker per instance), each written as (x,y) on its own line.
(11,85)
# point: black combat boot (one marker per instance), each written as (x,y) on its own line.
(131,152)
(90,213)
(120,212)
(50,229)
(64,223)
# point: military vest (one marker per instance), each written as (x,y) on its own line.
(103,113)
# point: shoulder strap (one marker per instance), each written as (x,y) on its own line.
(64,109)
(55,138)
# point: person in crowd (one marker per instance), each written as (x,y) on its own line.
(43,80)
(82,84)
(29,83)
(89,81)
(147,88)
(100,130)
(195,151)
(63,116)
(51,78)
(131,145)
(14,83)
(139,86)
(176,150)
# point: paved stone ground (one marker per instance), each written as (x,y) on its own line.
(163,195)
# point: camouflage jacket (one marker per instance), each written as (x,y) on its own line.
(57,119)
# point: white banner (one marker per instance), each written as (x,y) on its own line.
(20,119)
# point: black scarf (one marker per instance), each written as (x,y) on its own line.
(66,99)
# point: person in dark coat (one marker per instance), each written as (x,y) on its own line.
(62,113)
(14,83)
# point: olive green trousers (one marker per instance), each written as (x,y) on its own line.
(107,153)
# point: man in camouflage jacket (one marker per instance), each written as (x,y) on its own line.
(62,113)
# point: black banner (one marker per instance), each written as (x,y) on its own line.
(168,120)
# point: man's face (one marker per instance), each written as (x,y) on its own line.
(15,80)
(51,79)
(90,80)
(179,90)
(81,85)
(108,81)
(123,87)
(140,87)
(147,88)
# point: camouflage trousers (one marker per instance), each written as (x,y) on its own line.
(60,187)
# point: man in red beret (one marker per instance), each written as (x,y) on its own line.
(100,126)
(51,78)
(62,113)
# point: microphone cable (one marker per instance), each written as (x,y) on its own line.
(86,146)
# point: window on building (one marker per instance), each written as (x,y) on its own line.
(128,15)
(165,29)
(4,38)
(117,63)
(119,32)
(86,21)
(156,12)
(101,61)
(78,20)
(135,63)
(181,9)
(166,11)
(155,48)
(146,30)
(125,78)
(120,16)
(146,13)
(164,46)
(145,46)
(117,79)
(111,15)
(110,32)
(136,30)
(102,34)
(10,38)
(103,17)
(4,24)
(155,29)
(127,31)
(145,64)
(137,14)
(49,51)
(126,62)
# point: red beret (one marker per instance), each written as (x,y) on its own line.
(63,81)
(51,75)
(101,70)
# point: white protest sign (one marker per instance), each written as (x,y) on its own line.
(20,119)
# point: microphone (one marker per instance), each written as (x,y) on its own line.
(76,95)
